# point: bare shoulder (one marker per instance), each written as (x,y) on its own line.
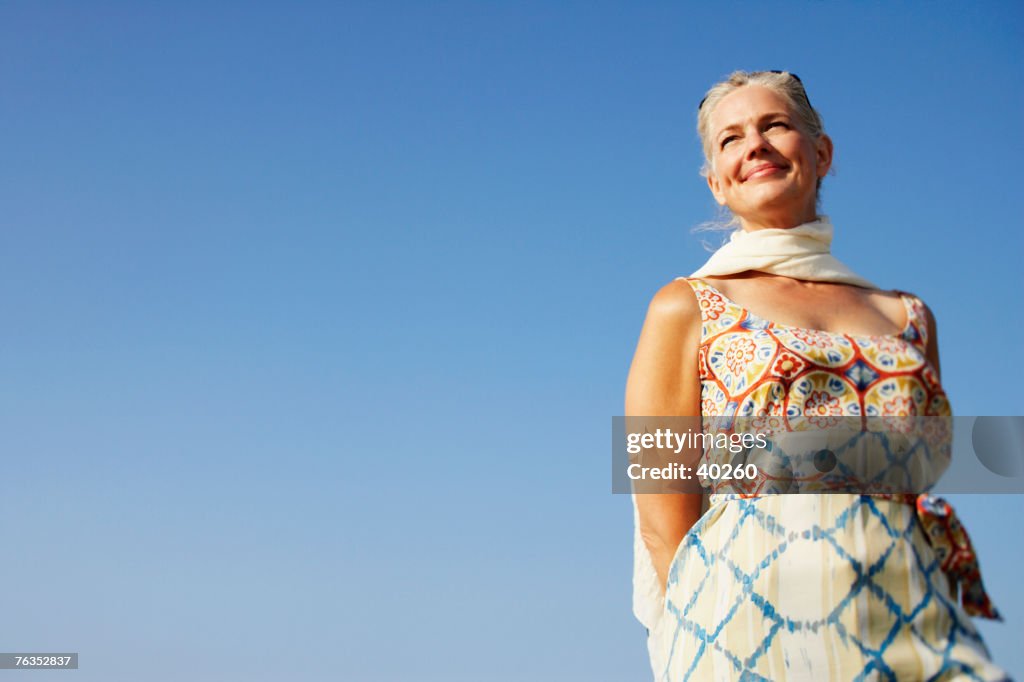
(888,303)
(663,377)
(675,301)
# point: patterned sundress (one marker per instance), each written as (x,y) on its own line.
(815,587)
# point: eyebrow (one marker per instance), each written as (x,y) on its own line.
(735,126)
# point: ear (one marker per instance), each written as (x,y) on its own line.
(823,152)
(716,188)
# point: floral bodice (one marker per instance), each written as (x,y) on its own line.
(750,366)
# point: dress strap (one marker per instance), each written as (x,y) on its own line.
(916,329)
(717,313)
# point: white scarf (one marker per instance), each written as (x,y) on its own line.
(801,252)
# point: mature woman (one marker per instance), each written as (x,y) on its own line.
(793,587)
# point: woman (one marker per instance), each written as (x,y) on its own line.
(793,587)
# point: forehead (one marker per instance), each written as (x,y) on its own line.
(747,103)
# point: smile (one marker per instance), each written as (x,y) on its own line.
(762,171)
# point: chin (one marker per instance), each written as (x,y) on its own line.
(773,207)
(776,203)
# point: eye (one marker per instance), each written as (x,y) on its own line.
(727,140)
(777,124)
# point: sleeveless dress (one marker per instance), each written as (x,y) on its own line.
(812,587)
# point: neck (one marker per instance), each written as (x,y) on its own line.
(778,222)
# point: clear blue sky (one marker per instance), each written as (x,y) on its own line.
(315,315)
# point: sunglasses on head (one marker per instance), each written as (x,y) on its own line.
(787,73)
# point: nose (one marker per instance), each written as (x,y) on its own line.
(756,142)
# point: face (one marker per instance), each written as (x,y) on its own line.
(763,167)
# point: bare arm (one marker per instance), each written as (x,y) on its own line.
(664,381)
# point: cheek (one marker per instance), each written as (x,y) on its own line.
(809,157)
(723,166)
